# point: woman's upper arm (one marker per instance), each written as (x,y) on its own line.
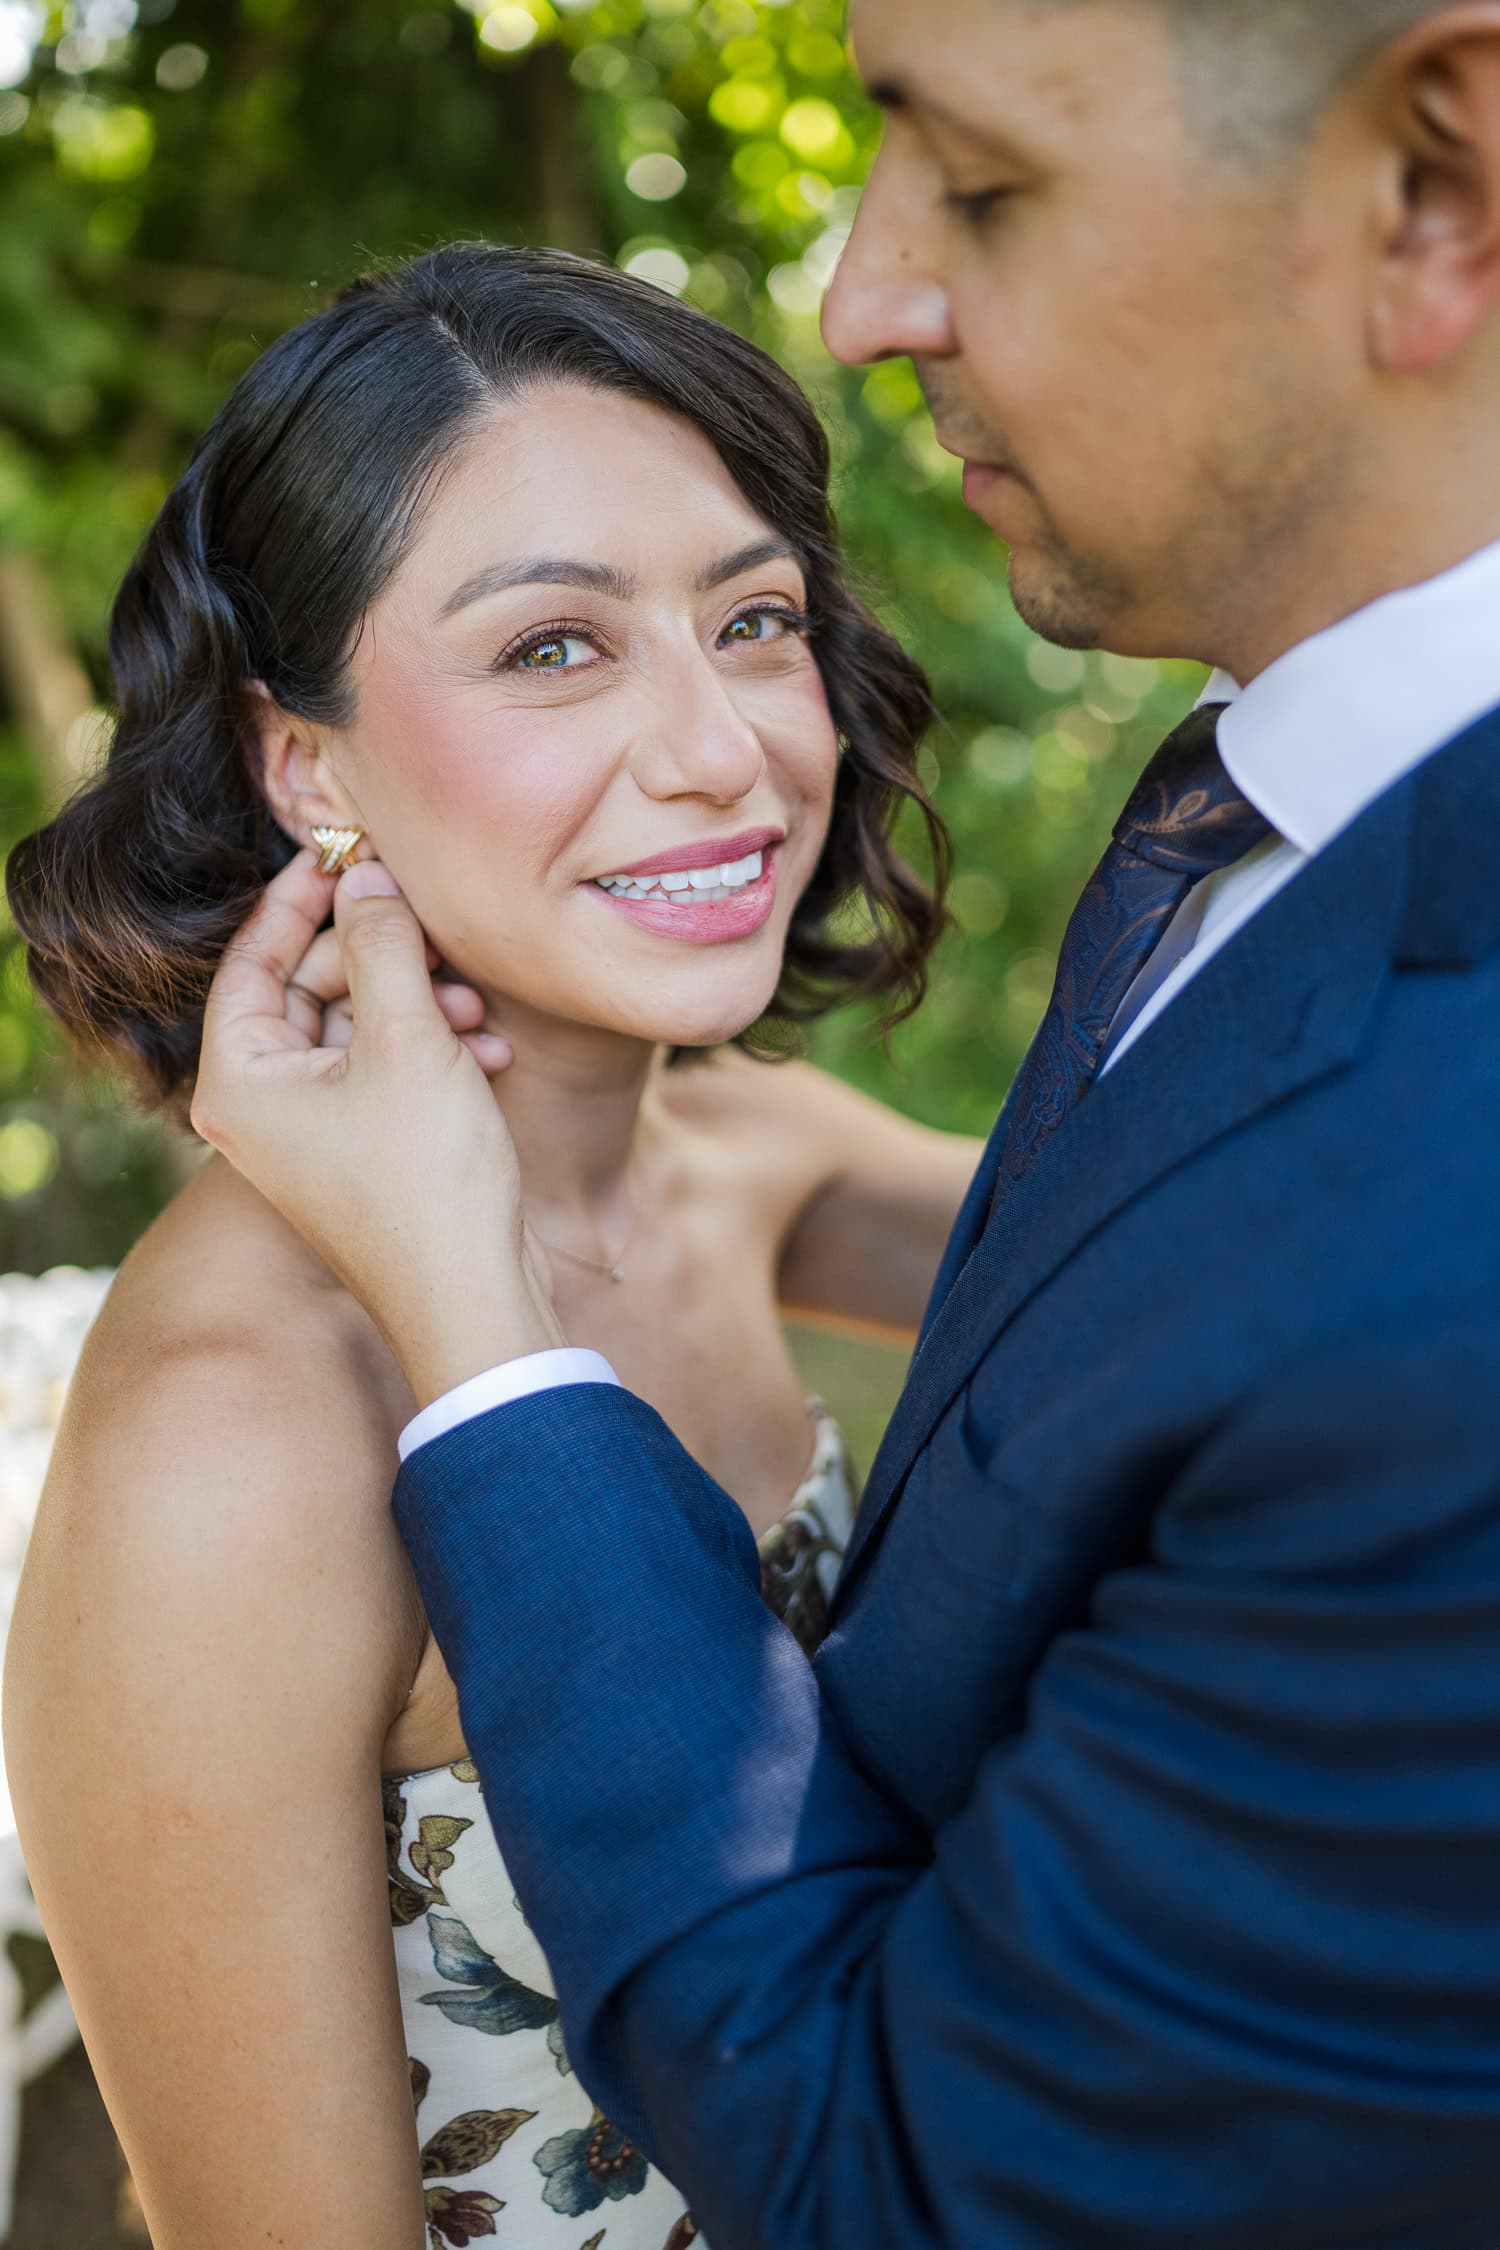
(207,1644)
(865,1247)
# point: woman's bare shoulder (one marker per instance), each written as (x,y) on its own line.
(219,1284)
(229,1415)
(741,1098)
(793,1119)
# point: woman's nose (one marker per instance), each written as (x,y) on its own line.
(699,744)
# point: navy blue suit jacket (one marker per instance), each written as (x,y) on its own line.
(1127,1868)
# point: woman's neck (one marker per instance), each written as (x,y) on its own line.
(573,1100)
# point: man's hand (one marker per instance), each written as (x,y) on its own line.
(389,1153)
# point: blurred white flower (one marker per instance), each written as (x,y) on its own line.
(43,1321)
(22,23)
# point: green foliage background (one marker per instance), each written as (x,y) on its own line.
(181,179)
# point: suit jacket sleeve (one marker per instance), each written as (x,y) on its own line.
(1212,1954)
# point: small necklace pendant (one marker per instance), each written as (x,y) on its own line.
(615,1274)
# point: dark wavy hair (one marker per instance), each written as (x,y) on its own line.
(294,513)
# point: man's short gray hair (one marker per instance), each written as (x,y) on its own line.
(1260,71)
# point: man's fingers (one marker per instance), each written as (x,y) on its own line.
(385,951)
(261,960)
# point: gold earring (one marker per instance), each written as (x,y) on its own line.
(337,847)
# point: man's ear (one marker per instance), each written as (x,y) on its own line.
(296,780)
(1438,281)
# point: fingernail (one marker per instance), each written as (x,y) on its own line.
(369,879)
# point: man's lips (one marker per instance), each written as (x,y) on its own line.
(983,476)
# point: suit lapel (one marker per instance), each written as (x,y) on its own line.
(1284,1003)
(968,1227)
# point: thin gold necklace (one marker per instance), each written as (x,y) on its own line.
(612,1271)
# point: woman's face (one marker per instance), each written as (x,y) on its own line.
(592,671)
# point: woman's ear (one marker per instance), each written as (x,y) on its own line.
(1439,279)
(295,778)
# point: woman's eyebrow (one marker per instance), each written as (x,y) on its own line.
(744,558)
(540,570)
(602,578)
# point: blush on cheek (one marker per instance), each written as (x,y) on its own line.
(457,785)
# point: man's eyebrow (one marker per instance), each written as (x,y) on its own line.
(744,558)
(540,570)
(602,578)
(897,97)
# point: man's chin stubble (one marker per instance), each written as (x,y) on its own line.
(1064,599)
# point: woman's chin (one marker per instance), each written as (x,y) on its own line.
(706,1020)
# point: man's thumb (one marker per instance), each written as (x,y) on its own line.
(385,952)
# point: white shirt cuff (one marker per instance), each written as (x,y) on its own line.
(498,1386)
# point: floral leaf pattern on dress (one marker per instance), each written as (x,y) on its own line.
(594,2240)
(458,2215)
(585,2166)
(409,1900)
(559,2056)
(466,2142)
(431,1855)
(789,1581)
(685,2231)
(492,2000)
(421,2079)
(465,1770)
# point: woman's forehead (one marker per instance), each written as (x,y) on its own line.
(593,474)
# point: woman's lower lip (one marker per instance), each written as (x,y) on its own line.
(737,917)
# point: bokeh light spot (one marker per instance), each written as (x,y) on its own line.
(656,178)
(181,67)
(508,31)
(980,901)
(1059,670)
(28,1157)
(663,268)
(744,105)
(812,128)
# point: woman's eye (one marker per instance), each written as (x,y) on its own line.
(559,652)
(763,625)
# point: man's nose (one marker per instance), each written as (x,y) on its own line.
(884,302)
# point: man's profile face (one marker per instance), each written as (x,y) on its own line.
(1132,345)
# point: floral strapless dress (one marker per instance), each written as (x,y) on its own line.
(503,2124)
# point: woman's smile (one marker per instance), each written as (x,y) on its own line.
(701,906)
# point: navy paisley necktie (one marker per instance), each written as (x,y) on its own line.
(1185,820)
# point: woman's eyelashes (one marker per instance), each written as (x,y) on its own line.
(568,646)
(766,621)
(551,650)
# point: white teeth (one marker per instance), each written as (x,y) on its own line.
(708,885)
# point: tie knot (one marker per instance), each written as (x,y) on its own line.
(1185,813)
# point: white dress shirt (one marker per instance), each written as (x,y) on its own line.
(1322,733)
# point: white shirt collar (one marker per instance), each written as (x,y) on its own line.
(1334,723)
